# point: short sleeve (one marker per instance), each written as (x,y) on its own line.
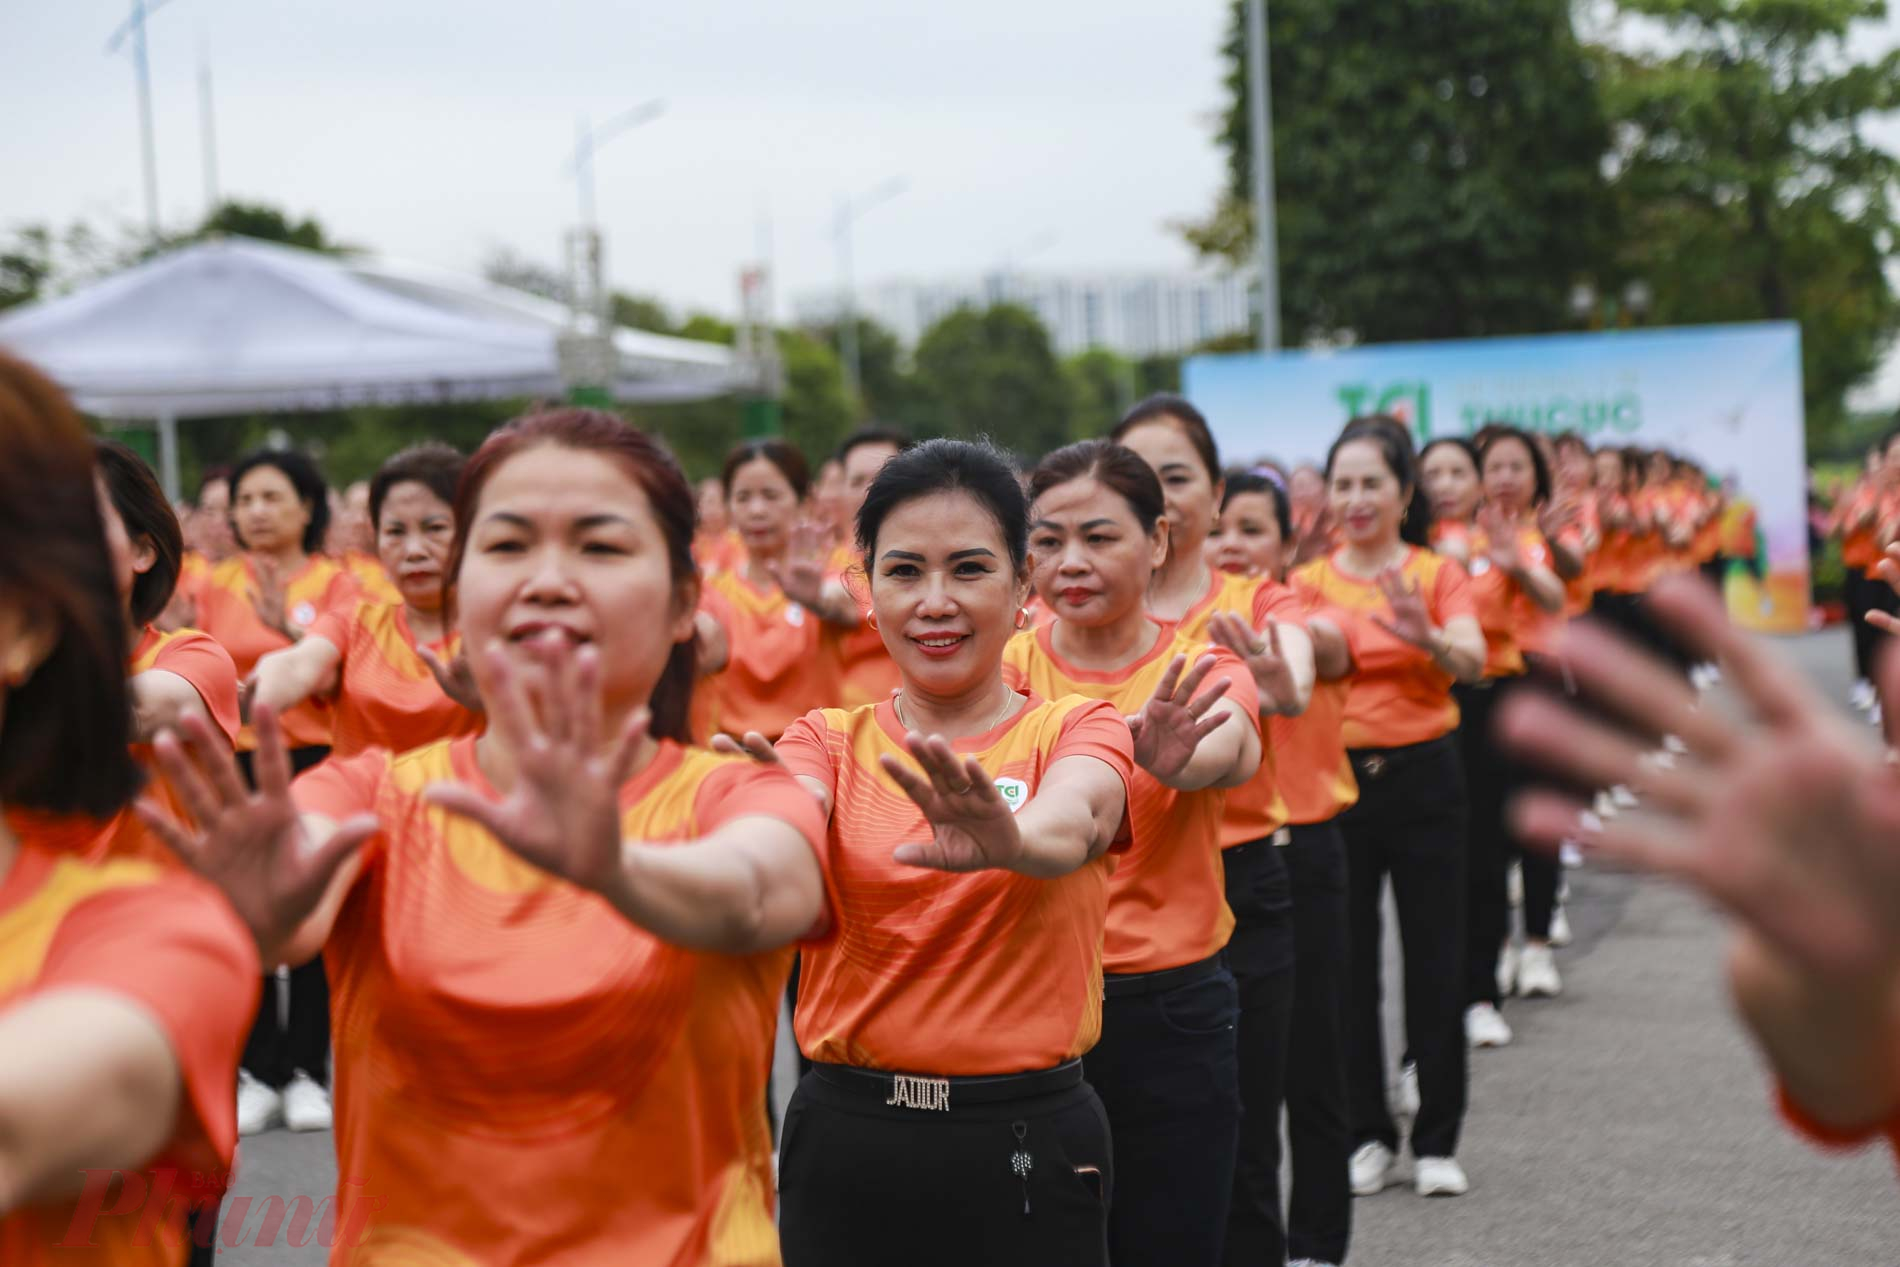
(175,950)
(1452,595)
(342,788)
(335,626)
(809,749)
(716,605)
(197,658)
(1097,729)
(1278,602)
(742,788)
(342,594)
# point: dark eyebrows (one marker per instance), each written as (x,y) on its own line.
(1093,523)
(602,521)
(976,552)
(905,555)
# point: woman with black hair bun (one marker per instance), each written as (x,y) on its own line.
(1422,636)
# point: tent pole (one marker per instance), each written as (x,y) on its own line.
(168,455)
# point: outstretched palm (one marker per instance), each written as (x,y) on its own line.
(252,845)
(801,573)
(1410,621)
(972,826)
(1260,651)
(1503,545)
(1170,727)
(563,812)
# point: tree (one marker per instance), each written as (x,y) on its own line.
(266,223)
(887,386)
(504,267)
(992,372)
(642,312)
(1102,385)
(1746,184)
(1436,163)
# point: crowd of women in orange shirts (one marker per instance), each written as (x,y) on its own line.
(1071,791)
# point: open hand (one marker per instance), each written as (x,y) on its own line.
(1410,621)
(801,573)
(1170,727)
(563,813)
(1260,651)
(972,827)
(252,845)
(454,676)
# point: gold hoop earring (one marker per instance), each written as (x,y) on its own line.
(1022,618)
(870,618)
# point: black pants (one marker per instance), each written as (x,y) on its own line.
(1261,957)
(275,1052)
(1866,593)
(1319,1134)
(1167,1070)
(861,1181)
(1409,824)
(1492,778)
(1543,876)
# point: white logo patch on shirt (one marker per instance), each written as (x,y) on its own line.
(303,613)
(795,616)
(1015,793)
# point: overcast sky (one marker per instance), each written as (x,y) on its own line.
(438,132)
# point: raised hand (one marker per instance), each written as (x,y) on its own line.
(1260,651)
(1558,514)
(1502,544)
(753,745)
(972,827)
(455,678)
(1792,825)
(1315,540)
(801,573)
(252,845)
(1171,725)
(269,598)
(1410,621)
(563,812)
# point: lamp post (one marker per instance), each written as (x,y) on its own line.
(1266,218)
(848,212)
(587,351)
(133,28)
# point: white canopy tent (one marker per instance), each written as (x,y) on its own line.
(237,326)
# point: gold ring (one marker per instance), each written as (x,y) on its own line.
(964,790)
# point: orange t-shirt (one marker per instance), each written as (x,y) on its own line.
(1167,900)
(1860,543)
(522,1075)
(1510,618)
(1257,808)
(781,660)
(1585,538)
(866,672)
(225,611)
(386,697)
(372,577)
(1309,751)
(1398,696)
(198,659)
(720,553)
(934,972)
(169,944)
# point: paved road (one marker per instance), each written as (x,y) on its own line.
(1629,1123)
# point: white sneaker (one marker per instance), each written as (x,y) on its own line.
(1485,1027)
(1537,975)
(1622,797)
(307,1105)
(1863,696)
(1310,1262)
(1673,745)
(1441,1177)
(1408,1090)
(1875,715)
(1372,1168)
(1560,934)
(259,1107)
(1713,672)
(1514,885)
(1570,853)
(1604,807)
(1699,678)
(1507,970)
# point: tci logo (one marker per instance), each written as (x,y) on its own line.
(1408,400)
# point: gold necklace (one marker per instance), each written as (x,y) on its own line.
(1009,698)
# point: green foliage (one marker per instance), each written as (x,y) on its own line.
(264,222)
(993,372)
(641,312)
(1746,185)
(1102,385)
(1436,165)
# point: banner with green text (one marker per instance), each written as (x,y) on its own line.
(1728,397)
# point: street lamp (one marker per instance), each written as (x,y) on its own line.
(588,142)
(848,212)
(1266,214)
(134,29)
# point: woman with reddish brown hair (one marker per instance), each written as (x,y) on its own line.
(125,988)
(558,946)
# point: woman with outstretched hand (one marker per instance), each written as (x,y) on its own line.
(945,1119)
(559,946)
(1421,637)
(1167,1067)
(768,625)
(392,673)
(125,987)
(1258,619)
(1791,826)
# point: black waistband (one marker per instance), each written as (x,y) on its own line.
(1375,763)
(1116,985)
(922,1091)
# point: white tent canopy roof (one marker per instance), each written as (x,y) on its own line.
(236,326)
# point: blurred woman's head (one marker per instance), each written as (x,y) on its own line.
(766,482)
(279,503)
(142,533)
(943,529)
(1170,435)
(1097,532)
(65,719)
(410,507)
(1256,522)
(573,529)
(1516,477)
(1373,485)
(1448,467)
